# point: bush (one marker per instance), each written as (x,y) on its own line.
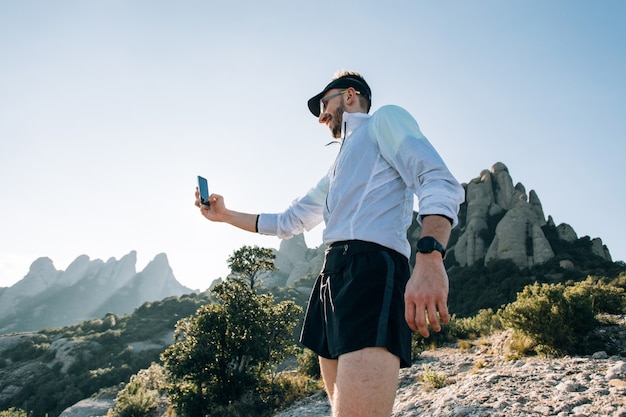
(545,315)
(604,298)
(13,412)
(308,364)
(558,319)
(286,389)
(140,397)
(434,379)
(484,323)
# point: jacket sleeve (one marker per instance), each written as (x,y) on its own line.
(407,150)
(304,214)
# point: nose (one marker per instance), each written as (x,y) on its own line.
(323,117)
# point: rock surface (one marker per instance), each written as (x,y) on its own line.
(481,381)
(519,236)
(90,407)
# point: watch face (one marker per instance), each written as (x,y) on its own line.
(426,244)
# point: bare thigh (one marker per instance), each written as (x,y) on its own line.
(365,383)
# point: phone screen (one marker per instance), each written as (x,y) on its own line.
(203,187)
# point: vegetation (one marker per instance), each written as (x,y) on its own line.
(226,355)
(250,262)
(230,343)
(96,353)
(478,287)
(13,412)
(559,319)
(142,396)
(433,379)
(552,319)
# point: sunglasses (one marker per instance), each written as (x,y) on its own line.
(325,100)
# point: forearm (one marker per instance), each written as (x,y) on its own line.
(438,227)
(244,221)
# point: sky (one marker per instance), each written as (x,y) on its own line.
(110,109)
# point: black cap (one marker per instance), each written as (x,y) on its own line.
(342,82)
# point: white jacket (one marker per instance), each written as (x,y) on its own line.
(368,192)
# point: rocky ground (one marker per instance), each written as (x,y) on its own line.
(481,381)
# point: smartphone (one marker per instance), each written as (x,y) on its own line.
(203,186)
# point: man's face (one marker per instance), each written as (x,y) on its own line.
(331,111)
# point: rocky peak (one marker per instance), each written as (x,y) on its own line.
(492,200)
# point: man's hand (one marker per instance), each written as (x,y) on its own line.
(218,212)
(426,294)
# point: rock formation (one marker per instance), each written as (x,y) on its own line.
(503,222)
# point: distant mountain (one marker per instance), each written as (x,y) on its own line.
(47,298)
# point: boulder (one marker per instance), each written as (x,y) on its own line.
(566,232)
(519,237)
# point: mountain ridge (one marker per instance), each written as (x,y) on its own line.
(87,289)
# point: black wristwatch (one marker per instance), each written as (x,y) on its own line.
(427,244)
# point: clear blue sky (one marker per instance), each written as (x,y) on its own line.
(109,110)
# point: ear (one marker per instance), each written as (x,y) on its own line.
(351,97)
(350,92)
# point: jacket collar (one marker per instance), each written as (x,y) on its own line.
(351,121)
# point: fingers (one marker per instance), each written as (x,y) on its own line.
(197,194)
(419,318)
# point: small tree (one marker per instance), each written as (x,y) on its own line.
(249,262)
(224,353)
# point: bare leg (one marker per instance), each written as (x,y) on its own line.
(365,383)
(328,367)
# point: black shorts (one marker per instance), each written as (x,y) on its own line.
(358,302)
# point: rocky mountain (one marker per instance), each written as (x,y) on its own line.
(519,218)
(87,289)
(497,221)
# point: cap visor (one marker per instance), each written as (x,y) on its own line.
(314,104)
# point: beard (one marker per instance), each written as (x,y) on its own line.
(335,125)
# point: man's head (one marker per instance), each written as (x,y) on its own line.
(347,92)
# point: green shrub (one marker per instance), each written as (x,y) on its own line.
(484,323)
(308,364)
(603,298)
(559,319)
(286,389)
(543,313)
(13,412)
(224,354)
(140,397)
(434,379)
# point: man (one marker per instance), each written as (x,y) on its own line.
(366,301)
